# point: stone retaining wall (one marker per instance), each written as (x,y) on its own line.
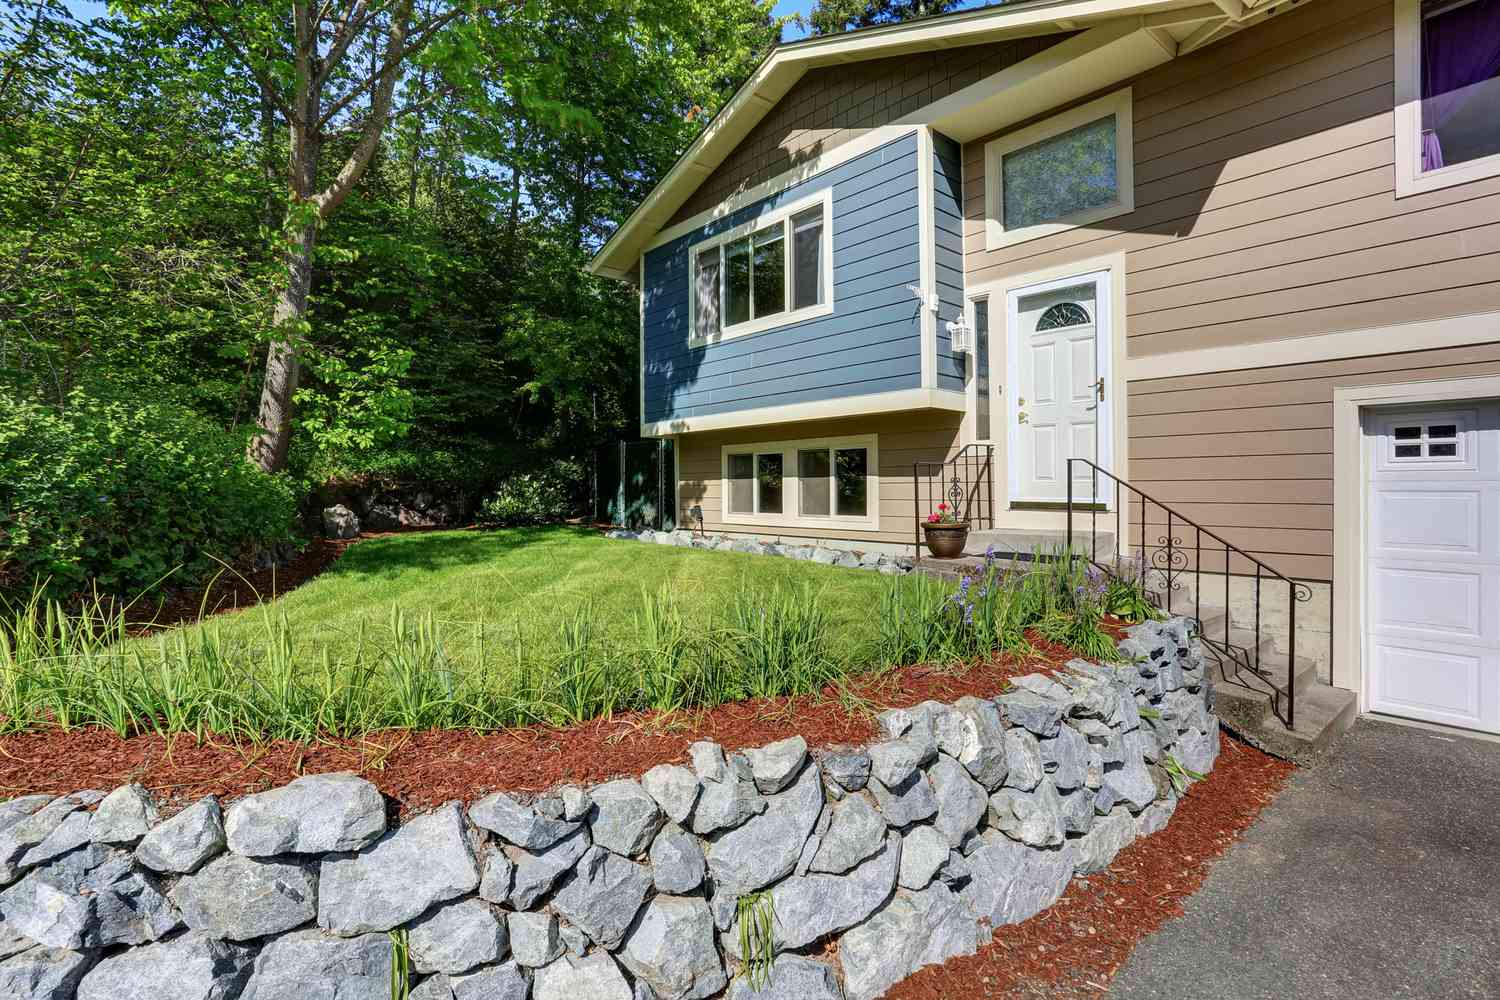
(906,853)
(805,550)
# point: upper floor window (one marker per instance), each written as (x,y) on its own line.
(770,272)
(1070,170)
(1448,92)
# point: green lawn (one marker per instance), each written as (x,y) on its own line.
(536,580)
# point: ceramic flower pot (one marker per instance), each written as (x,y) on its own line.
(946,541)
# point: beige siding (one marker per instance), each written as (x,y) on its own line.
(1265,197)
(832,105)
(902,439)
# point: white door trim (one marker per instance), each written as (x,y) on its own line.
(1350,459)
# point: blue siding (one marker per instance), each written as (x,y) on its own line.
(870,343)
(947,178)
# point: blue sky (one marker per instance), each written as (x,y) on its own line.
(785,7)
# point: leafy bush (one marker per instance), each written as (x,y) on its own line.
(116,497)
(544,497)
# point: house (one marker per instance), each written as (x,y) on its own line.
(1243,256)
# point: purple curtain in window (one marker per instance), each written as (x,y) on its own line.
(1459,49)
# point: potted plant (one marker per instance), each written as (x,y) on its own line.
(945,533)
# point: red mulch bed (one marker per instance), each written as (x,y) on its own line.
(1074,949)
(421,769)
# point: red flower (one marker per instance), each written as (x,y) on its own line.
(942,506)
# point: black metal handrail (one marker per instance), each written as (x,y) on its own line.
(1169,557)
(966,481)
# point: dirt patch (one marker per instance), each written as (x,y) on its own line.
(1074,948)
(421,769)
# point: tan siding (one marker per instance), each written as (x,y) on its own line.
(902,439)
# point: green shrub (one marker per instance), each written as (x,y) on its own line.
(544,497)
(118,497)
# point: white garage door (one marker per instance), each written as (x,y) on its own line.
(1433,638)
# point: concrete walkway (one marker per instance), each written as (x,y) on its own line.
(1375,874)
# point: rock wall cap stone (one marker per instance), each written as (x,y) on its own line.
(315,814)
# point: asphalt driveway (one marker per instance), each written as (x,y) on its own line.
(1375,874)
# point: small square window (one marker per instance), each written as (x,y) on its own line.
(1408,451)
(1449,450)
(1442,431)
(1408,433)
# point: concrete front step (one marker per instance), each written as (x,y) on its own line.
(1025,543)
(1272,662)
(1323,714)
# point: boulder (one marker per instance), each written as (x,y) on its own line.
(980,741)
(457,937)
(596,977)
(499,870)
(498,982)
(1065,758)
(677,862)
(29,822)
(604,895)
(426,860)
(12,941)
(792,978)
(1023,756)
(1153,819)
(625,819)
(850,771)
(308,965)
(1038,715)
(923,851)
(894,761)
(69,835)
(674,788)
(1043,686)
(961,801)
(726,803)
(43,974)
(534,940)
(340,522)
(1034,818)
(915,930)
(776,765)
(536,873)
(1198,751)
(671,948)
(1108,836)
(905,804)
(766,847)
(518,824)
(183,843)
(855,832)
(1129,783)
(315,814)
(1012,882)
(1077,810)
(811,907)
(237,898)
(192,966)
(125,816)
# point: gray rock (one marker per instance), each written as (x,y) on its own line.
(47,907)
(237,898)
(573,938)
(339,522)
(307,965)
(1024,758)
(1065,758)
(981,741)
(915,930)
(499,869)
(124,817)
(1043,686)
(183,843)
(792,978)
(905,804)
(312,815)
(847,560)
(192,966)
(457,937)
(1034,818)
(672,949)
(812,907)
(534,940)
(961,801)
(624,818)
(71,834)
(923,851)
(1036,714)
(30,821)
(677,862)
(12,811)
(437,987)
(1109,836)
(426,860)
(1143,741)
(536,874)
(1012,882)
(43,974)
(596,977)
(894,761)
(499,982)
(12,941)
(766,847)
(776,765)
(518,824)
(674,788)
(1077,810)
(855,832)
(708,761)
(849,770)
(825,557)
(1129,783)
(1153,819)
(576,803)
(726,802)
(1198,751)
(604,895)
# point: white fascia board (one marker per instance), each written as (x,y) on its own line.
(787,63)
(844,406)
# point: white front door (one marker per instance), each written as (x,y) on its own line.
(1433,564)
(1058,346)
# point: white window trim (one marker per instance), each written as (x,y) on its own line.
(791,515)
(780,214)
(1410,178)
(1119,103)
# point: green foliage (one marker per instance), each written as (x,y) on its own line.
(117,497)
(756,915)
(1180,776)
(546,497)
(833,16)
(1128,601)
(400,963)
